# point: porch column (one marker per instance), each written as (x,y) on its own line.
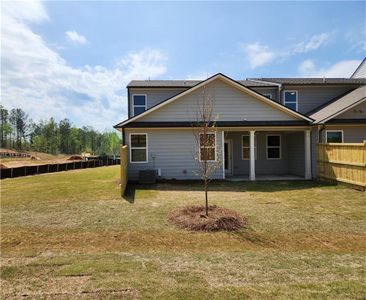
(252,156)
(307,155)
(223,153)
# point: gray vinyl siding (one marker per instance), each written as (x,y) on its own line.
(290,163)
(314,141)
(357,112)
(296,153)
(351,134)
(311,97)
(229,104)
(272,91)
(174,151)
(154,96)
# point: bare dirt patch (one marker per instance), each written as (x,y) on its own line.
(219,219)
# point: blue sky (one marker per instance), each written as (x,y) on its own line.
(74,59)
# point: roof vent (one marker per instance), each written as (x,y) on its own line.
(323,79)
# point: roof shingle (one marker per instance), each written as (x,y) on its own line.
(340,105)
(313,81)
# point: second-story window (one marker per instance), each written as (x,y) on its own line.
(290,99)
(138,104)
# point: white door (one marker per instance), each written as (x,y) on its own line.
(228,157)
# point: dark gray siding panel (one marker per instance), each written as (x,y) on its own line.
(293,163)
(272,91)
(314,142)
(351,134)
(172,150)
(296,153)
(310,97)
(154,96)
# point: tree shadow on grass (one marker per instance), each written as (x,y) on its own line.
(224,186)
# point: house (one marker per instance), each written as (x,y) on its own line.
(265,128)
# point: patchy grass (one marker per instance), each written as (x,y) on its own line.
(70,234)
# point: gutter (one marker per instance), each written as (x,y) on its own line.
(279,85)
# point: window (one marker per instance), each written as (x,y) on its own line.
(290,99)
(138,147)
(334,136)
(273,146)
(207,147)
(268,96)
(139,104)
(245,147)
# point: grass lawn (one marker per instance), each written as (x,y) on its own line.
(70,234)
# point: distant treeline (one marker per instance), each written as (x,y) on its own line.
(21,133)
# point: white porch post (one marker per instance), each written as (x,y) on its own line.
(252,156)
(223,153)
(307,155)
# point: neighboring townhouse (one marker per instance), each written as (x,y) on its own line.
(265,128)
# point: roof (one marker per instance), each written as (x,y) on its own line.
(360,71)
(340,105)
(186,83)
(228,80)
(313,81)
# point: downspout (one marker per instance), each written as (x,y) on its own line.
(123,137)
(279,93)
(128,103)
(320,140)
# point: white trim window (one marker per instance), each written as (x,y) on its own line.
(138,148)
(290,99)
(268,95)
(139,103)
(245,146)
(207,149)
(273,146)
(334,136)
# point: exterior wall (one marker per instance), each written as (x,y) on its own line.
(296,153)
(273,91)
(154,95)
(357,112)
(174,151)
(314,141)
(310,97)
(292,154)
(229,103)
(351,134)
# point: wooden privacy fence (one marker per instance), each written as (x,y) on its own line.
(124,164)
(342,162)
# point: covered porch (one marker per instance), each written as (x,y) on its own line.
(266,154)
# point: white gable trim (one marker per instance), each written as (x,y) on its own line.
(228,81)
(342,111)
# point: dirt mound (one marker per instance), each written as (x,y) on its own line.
(2,167)
(219,219)
(75,157)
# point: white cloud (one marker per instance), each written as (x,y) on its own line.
(314,43)
(341,69)
(75,37)
(258,55)
(39,80)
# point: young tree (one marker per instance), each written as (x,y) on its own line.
(64,130)
(207,155)
(5,129)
